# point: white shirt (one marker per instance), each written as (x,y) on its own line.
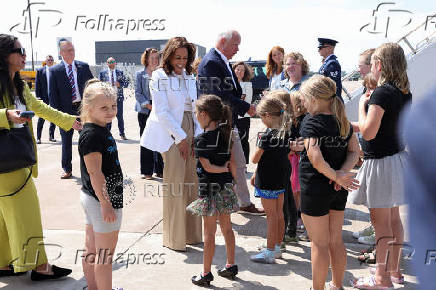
(47,73)
(224,58)
(76,85)
(20,107)
(275,81)
(112,76)
(247,90)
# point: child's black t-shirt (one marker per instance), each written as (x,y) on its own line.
(94,138)
(334,148)
(387,141)
(295,129)
(273,165)
(212,146)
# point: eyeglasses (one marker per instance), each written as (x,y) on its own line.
(19,50)
(50,59)
(111,62)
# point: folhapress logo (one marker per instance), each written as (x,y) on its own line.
(36,17)
(106,23)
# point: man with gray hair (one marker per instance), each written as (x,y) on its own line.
(216,76)
(67,82)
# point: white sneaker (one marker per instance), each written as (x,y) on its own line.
(265,257)
(368,231)
(277,252)
(367,240)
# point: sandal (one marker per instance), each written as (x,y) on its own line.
(367,250)
(368,283)
(396,280)
(368,258)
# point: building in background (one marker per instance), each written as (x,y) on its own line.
(129,52)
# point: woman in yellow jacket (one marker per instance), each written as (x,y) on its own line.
(21,238)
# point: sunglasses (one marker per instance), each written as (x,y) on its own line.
(111,62)
(19,50)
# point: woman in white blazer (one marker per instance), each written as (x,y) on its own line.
(170,130)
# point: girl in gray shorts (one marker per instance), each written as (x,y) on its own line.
(102,179)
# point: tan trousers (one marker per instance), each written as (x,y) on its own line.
(180,188)
(241,188)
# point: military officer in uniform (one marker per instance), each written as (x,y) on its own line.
(330,65)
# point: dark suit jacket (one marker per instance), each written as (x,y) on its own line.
(215,78)
(124,82)
(41,84)
(60,88)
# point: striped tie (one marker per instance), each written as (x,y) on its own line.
(71,79)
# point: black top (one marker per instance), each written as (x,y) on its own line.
(94,138)
(295,129)
(387,141)
(212,146)
(274,163)
(333,147)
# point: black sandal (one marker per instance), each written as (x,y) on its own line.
(10,272)
(58,272)
(201,280)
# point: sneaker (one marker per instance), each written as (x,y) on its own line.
(265,257)
(290,240)
(304,237)
(251,209)
(278,252)
(368,231)
(367,240)
(263,247)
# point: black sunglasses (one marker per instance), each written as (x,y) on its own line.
(19,50)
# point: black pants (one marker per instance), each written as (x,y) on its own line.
(289,208)
(39,127)
(243,125)
(150,160)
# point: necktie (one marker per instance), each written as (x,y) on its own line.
(71,79)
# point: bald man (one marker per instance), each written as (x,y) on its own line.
(216,76)
(67,82)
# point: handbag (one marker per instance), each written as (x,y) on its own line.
(16,149)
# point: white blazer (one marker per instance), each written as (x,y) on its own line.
(164,125)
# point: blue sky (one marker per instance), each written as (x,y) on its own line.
(294,25)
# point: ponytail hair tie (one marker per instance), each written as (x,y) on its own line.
(282,111)
(332,97)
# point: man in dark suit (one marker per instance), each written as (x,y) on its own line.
(67,82)
(41,91)
(117,79)
(216,76)
(330,64)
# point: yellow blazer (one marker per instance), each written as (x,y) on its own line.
(64,121)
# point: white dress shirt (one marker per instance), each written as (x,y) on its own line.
(112,76)
(78,97)
(224,58)
(47,73)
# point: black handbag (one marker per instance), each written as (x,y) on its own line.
(16,149)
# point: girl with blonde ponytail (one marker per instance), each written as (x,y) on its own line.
(273,166)
(330,152)
(381,174)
